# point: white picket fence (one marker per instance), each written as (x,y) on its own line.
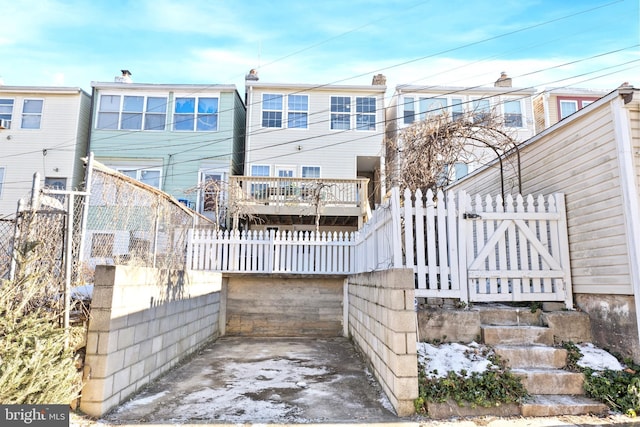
(475,250)
(271,252)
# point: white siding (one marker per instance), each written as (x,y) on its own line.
(578,159)
(52,150)
(334,151)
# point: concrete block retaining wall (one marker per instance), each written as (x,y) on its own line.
(382,324)
(143,322)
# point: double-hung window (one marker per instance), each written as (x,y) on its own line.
(6,110)
(196,114)
(513,114)
(271,110)
(481,110)
(147,176)
(457,109)
(409,113)
(298,110)
(260,190)
(311,171)
(567,108)
(432,107)
(341,112)
(128,112)
(31,113)
(365,113)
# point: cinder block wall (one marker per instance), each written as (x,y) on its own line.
(382,324)
(281,306)
(143,322)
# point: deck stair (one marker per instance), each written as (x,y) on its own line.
(529,344)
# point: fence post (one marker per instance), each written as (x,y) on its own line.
(68,261)
(463,236)
(563,235)
(397,228)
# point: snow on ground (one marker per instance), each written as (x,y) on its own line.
(597,359)
(443,358)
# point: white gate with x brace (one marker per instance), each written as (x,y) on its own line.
(487,250)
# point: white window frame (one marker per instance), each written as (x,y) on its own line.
(139,171)
(339,113)
(120,123)
(351,111)
(203,176)
(310,166)
(269,97)
(505,113)
(6,109)
(408,114)
(31,114)
(573,102)
(291,109)
(196,114)
(475,104)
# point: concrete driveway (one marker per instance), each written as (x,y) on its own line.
(263,380)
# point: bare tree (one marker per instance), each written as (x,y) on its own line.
(427,151)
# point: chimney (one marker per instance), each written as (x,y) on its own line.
(124,78)
(253,75)
(379,80)
(503,81)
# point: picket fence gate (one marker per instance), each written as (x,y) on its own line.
(472,249)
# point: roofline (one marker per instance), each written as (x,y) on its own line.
(163,86)
(564,122)
(43,89)
(305,86)
(455,89)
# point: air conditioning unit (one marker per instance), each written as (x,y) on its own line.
(5,124)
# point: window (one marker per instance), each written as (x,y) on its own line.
(409,111)
(212,191)
(457,109)
(311,171)
(460,170)
(2,169)
(481,110)
(102,245)
(298,106)
(271,110)
(132,112)
(567,108)
(6,109)
(365,113)
(261,189)
(341,112)
(512,114)
(431,106)
(196,114)
(147,176)
(31,113)
(108,112)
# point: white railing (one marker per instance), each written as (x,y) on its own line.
(487,250)
(271,252)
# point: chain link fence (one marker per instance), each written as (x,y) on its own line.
(131,223)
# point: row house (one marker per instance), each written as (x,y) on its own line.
(412,103)
(314,155)
(43,130)
(551,105)
(183,139)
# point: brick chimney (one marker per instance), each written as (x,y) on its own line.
(379,80)
(503,81)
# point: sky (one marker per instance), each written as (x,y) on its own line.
(539,43)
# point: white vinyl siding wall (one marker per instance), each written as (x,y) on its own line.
(335,151)
(578,159)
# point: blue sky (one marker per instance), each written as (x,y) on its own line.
(539,43)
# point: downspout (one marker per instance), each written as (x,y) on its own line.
(631,202)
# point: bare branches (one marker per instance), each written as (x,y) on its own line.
(428,151)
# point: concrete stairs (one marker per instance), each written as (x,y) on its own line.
(529,343)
